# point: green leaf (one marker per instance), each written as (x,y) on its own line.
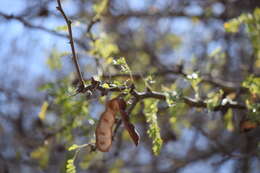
(104,47)
(253,84)
(232,25)
(153,130)
(251,22)
(70,167)
(228,118)
(214,99)
(105,85)
(73,147)
(124,66)
(43,110)
(54,61)
(46,86)
(172,98)
(42,155)
(215,52)
(100,8)
(61,28)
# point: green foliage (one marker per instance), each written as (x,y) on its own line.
(62,28)
(172,97)
(70,167)
(65,27)
(72,111)
(253,84)
(73,147)
(103,47)
(100,8)
(254,108)
(214,99)
(116,167)
(124,66)
(105,85)
(252,24)
(228,118)
(194,80)
(171,41)
(154,130)
(54,61)
(122,63)
(41,154)
(43,110)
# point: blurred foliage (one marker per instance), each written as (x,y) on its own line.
(42,155)
(42,113)
(229,120)
(253,84)
(214,99)
(103,47)
(251,22)
(100,8)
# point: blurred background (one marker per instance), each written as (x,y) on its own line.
(189,46)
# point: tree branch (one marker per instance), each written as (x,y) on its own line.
(187,100)
(138,96)
(226,86)
(30,25)
(74,56)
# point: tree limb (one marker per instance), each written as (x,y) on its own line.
(30,25)
(74,56)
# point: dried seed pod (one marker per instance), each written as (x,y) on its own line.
(107,120)
(104,129)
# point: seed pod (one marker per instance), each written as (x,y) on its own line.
(104,127)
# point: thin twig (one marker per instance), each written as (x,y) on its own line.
(47,30)
(88,31)
(74,56)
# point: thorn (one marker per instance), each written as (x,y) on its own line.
(93,81)
(132,87)
(148,90)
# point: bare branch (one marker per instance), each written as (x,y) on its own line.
(50,31)
(74,56)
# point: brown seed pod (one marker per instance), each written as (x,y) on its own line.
(107,120)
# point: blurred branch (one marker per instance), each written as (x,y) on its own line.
(88,31)
(154,14)
(30,25)
(74,56)
(226,86)
(194,156)
(14,94)
(187,100)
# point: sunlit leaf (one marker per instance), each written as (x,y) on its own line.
(73,147)
(253,84)
(70,167)
(43,110)
(228,117)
